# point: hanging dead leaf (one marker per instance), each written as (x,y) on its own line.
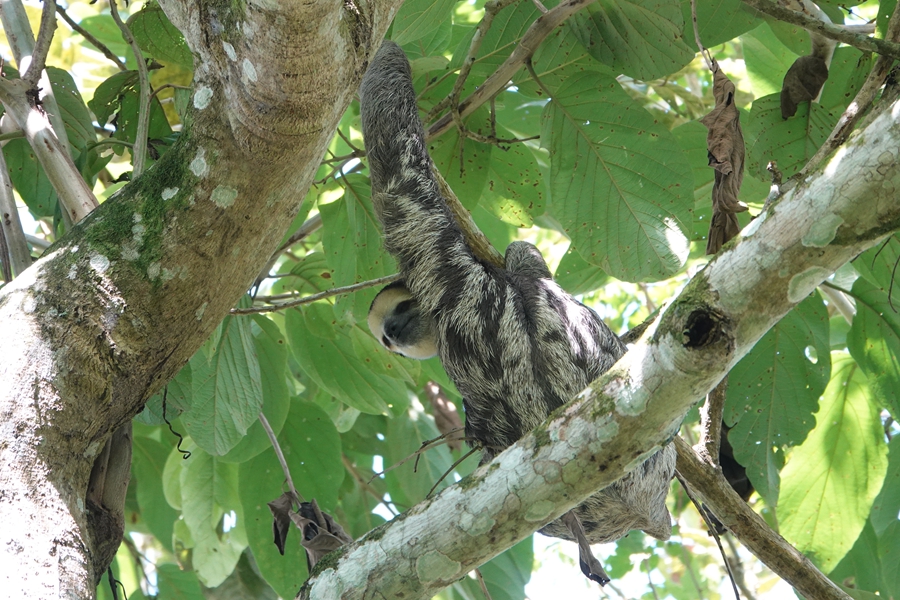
(321,534)
(446,417)
(725,150)
(802,83)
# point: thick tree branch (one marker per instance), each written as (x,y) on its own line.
(115,308)
(638,405)
(828,30)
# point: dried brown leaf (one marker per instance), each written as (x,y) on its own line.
(321,534)
(725,149)
(802,83)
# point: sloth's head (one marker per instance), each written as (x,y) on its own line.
(397,322)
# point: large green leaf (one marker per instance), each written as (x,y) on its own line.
(621,193)
(353,248)
(148,460)
(578,276)
(226,388)
(879,266)
(874,341)
(848,70)
(719,20)
(312,449)
(640,38)
(514,192)
(463,162)
(774,391)
(75,115)
(175,583)
(29,178)
(209,491)
(886,506)
(156,36)
(335,367)
(861,566)
(505,576)
(419,18)
(409,483)
(792,142)
(272,351)
(831,479)
(767,60)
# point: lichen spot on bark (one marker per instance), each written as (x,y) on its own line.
(632,397)
(169,193)
(224,196)
(802,284)
(202,97)
(249,70)
(201,310)
(99,263)
(476,525)
(229,51)
(822,231)
(540,511)
(199,166)
(435,566)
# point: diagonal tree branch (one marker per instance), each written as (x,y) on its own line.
(638,405)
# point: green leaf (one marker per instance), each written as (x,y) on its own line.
(832,478)
(640,38)
(209,491)
(312,274)
(577,276)
(767,60)
(147,463)
(886,506)
(226,389)
(463,162)
(419,18)
(619,191)
(158,37)
(790,142)
(105,29)
(889,551)
(106,97)
(719,21)
(75,115)
(176,584)
(774,391)
(335,367)
(514,192)
(353,247)
(848,70)
(507,574)
(861,567)
(874,341)
(312,449)
(879,266)
(178,399)
(272,351)
(29,178)
(408,484)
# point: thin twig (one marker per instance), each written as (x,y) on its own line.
(450,470)
(426,445)
(143,126)
(704,514)
(484,590)
(277,447)
(366,486)
(499,79)
(711,423)
(316,297)
(854,112)
(703,51)
(13,234)
(772,549)
(42,45)
(91,39)
(168,86)
(828,30)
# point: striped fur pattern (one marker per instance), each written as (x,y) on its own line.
(516,345)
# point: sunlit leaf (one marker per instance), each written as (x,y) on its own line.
(774,391)
(832,478)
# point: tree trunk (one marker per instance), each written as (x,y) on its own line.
(113,310)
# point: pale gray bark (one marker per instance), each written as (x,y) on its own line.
(639,404)
(117,307)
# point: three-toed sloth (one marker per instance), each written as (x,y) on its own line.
(516,345)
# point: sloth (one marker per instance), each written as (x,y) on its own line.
(516,345)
